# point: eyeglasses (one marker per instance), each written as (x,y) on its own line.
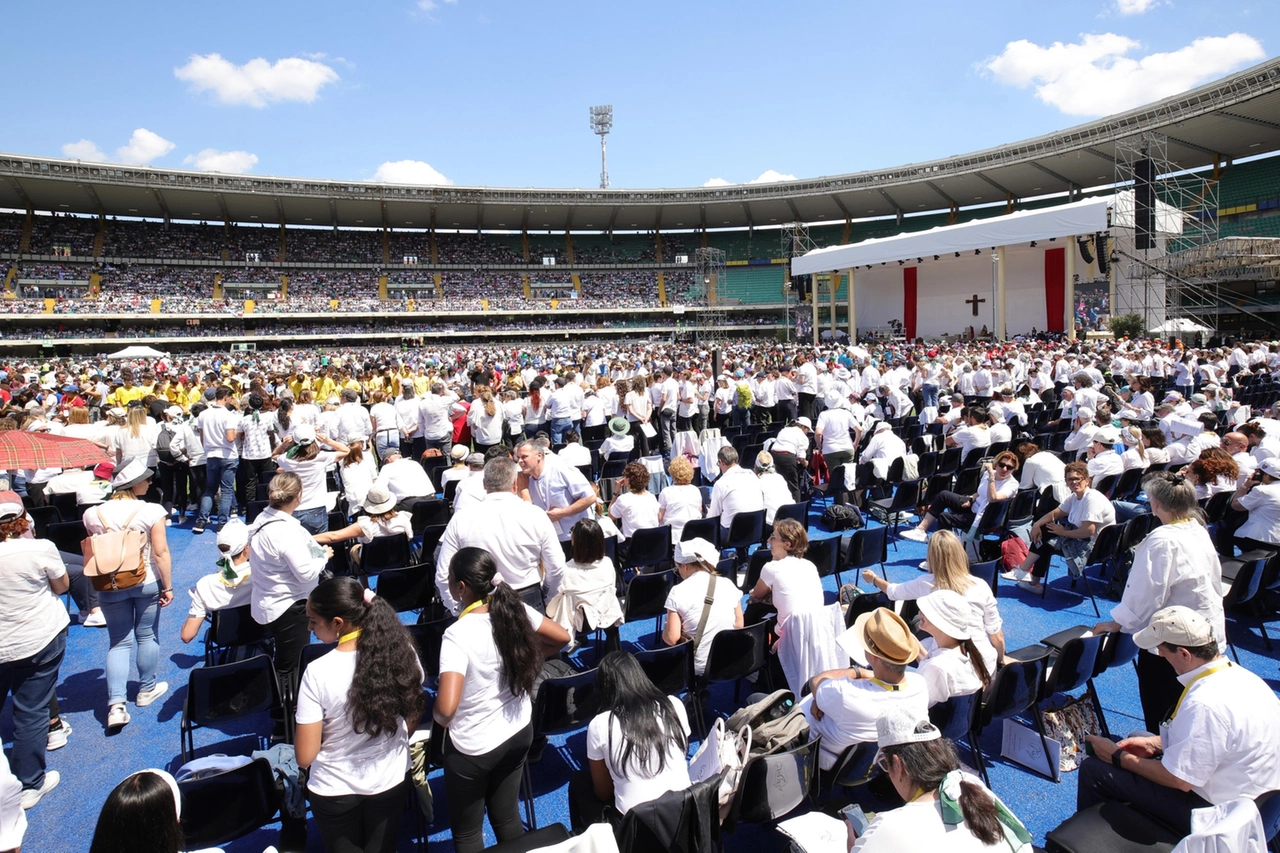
(882,762)
(1006,466)
(1075,479)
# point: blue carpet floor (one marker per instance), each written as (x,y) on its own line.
(91,764)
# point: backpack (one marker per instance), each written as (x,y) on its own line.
(164,446)
(744,398)
(777,723)
(116,559)
(842,517)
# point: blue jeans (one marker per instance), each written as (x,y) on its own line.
(32,681)
(930,394)
(386,442)
(133,619)
(314,520)
(219,474)
(559,426)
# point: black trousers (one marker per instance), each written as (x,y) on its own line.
(173,485)
(248,479)
(785,464)
(290,633)
(952,505)
(473,783)
(806,405)
(1100,782)
(585,808)
(196,484)
(1158,689)
(360,823)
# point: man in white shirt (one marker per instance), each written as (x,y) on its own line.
(470,489)
(837,433)
(807,385)
(352,418)
(217,425)
(667,407)
(736,490)
(406,480)
(407,417)
(433,423)
(556,488)
(1221,742)
(521,538)
(883,444)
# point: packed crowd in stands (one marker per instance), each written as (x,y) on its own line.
(626,289)
(343,285)
(477,249)
(1057,423)
(180,240)
(327,245)
(49,234)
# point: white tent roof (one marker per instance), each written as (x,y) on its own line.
(1180,324)
(137,351)
(1080,217)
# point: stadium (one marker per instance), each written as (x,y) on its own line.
(294,290)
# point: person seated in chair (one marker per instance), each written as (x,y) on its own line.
(1221,740)
(843,705)
(961,511)
(230,586)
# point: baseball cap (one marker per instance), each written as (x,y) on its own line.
(174,411)
(804,422)
(304,433)
(234,535)
(697,550)
(1177,625)
(1270,466)
(899,726)
(1086,412)
(1107,435)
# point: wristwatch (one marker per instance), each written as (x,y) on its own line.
(1116,756)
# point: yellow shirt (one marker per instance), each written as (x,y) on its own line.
(124,396)
(324,388)
(297,386)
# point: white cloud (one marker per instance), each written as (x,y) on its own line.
(409,172)
(84,150)
(1135,7)
(143,147)
(429,6)
(213,160)
(257,82)
(1097,77)
(770,176)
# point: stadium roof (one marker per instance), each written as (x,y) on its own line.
(1235,117)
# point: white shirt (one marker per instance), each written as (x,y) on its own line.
(795,585)
(629,786)
(851,707)
(433,418)
(560,486)
(1094,507)
(519,536)
(736,490)
(883,445)
(918,826)
(1225,738)
(115,514)
(1174,564)
(470,491)
(1043,469)
(488,714)
(835,424)
(680,504)
(348,762)
(1105,464)
(1005,489)
(385,415)
(687,600)
(209,593)
(213,424)
(948,672)
(286,564)
(792,439)
(776,494)
(405,478)
(1263,504)
(312,473)
(32,614)
(634,512)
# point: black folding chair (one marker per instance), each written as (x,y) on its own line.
(230,629)
(219,808)
(773,786)
(562,705)
(868,547)
(232,691)
(701,528)
(1014,689)
(825,555)
(383,553)
(647,598)
(735,654)
(891,511)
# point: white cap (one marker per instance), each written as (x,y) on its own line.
(696,550)
(235,535)
(174,411)
(882,426)
(1176,625)
(304,434)
(1107,435)
(1270,465)
(899,726)
(804,422)
(1086,413)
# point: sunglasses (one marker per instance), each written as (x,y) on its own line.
(1006,466)
(1075,479)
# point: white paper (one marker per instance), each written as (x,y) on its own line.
(816,832)
(1022,744)
(648,430)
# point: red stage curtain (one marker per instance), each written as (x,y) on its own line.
(909,302)
(1055,288)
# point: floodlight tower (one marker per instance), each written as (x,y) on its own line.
(601,124)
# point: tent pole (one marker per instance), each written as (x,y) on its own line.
(998,331)
(850,309)
(1070,289)
(835,286)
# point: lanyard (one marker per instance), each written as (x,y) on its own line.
(885,685)
(349,636)
(1208,672)
(479,602)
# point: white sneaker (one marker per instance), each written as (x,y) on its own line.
(94,619)
(58,737)
(146,697)
(1016,576)
(117,717)
(31,796)
(915,534)
(924,565)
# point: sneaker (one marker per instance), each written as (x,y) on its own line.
(146,697)
(915,534)
(118,717)
(58,736)
(198,527)
(32,796)
(848,594)
(924,566)
(94,619)
(168,522)
(1015,576)
(1031,586)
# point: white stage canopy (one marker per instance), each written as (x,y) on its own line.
(1080,217)
(137,351)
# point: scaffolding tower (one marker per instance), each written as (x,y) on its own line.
(795,241)
(1183,217)
(709,277)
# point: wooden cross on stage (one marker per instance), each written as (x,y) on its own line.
(974,302)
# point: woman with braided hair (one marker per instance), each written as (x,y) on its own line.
(489,659)
(356,707)
(1174,564)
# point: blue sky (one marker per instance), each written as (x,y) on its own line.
(490,92)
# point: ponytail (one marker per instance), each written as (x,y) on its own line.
(980,813)
(387,684)
(975,658)
(515,638)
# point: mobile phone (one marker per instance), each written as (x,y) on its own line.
(856,818)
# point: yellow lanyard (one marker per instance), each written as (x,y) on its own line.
(480,602)
(349,636)
(884,685)
(1208,672)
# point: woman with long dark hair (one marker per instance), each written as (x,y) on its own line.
(489,659)
(356,707)
(637,745)
(140,816)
